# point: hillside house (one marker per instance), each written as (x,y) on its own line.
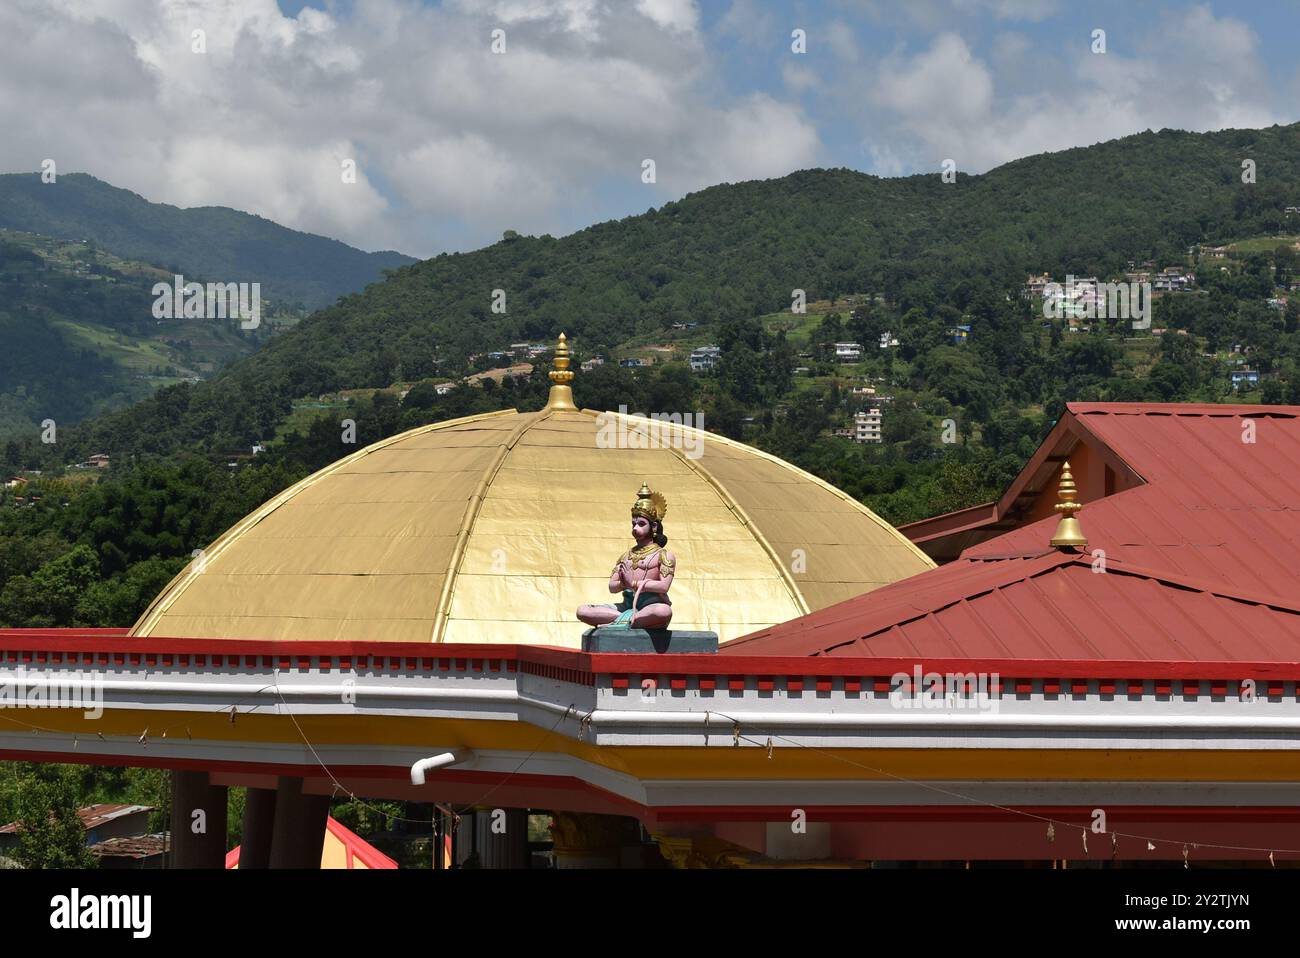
(866,426)
(1036,285)
(1244,378)
(1172,279)
(705,358)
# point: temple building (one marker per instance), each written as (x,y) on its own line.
(1102,668)
(494,528)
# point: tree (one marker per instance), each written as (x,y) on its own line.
(867,325)
(740,372)
(50,835)
(1284,258)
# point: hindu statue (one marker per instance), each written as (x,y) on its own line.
(643,574)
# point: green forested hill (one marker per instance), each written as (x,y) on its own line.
(919,258)
(80,337)
(213,242)
(738,250)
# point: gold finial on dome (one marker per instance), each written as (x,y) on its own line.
(561,396)
(650,505)
(1069,534)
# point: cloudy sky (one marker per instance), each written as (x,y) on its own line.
(454,143)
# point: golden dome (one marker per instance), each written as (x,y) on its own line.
(495,528)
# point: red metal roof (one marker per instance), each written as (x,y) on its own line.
(1213,507)
(1054,606)
(1203,558)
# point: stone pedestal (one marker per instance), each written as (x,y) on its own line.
(648,641)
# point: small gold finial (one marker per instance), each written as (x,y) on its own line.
(1069,534)
(561,396)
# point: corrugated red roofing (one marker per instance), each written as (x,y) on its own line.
(1203,559)
(1213,507)
(92,816)
(1054,606)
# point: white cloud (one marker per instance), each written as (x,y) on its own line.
(678,15)
(1198,72)
(761,138)
(797,79)
(1032,10)
(750,23)
(939,14)
(841,39)
(453,143)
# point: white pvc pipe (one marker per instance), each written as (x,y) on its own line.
(434,761)
(957,719)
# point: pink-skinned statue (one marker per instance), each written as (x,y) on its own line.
(643,574)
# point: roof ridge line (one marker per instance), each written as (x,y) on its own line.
(1222,590)
(1179,409)
(962,591)
(442,610)
(953,592)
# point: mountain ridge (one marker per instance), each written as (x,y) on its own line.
(214,242)
(735,251)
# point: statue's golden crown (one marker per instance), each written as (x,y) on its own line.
(650,505)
